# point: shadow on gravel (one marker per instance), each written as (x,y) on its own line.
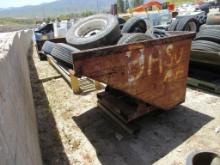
(160,133)
(51,146)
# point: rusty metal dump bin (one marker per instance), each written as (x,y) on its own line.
(153,71)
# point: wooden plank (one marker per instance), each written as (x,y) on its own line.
(117,106)
(204,77)
(123,106)
(129,128)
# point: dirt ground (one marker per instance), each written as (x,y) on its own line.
(11,28)
(73,131)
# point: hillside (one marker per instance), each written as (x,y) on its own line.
(57,8)
(63,7)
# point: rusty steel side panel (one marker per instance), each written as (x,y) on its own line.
(153,71)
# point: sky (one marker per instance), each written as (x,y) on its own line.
(18,3)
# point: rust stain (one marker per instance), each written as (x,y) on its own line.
(132,47)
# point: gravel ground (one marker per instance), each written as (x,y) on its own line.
(74,131)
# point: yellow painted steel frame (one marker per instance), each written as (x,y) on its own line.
(75,84)
(71,78)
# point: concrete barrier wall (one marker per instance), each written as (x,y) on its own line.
(19,143)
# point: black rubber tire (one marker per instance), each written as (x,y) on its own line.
(187,24)
(134,37)
(203,27)
(48,47)
(135,25)
(209,35)
(213,19)
(63,52)
(204,45)
(94,31)
(173,25)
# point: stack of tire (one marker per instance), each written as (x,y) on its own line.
(136,30)
(208,38)
(98,31)
(90,32)
(104,29)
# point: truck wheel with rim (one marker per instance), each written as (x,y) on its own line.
(94,31)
